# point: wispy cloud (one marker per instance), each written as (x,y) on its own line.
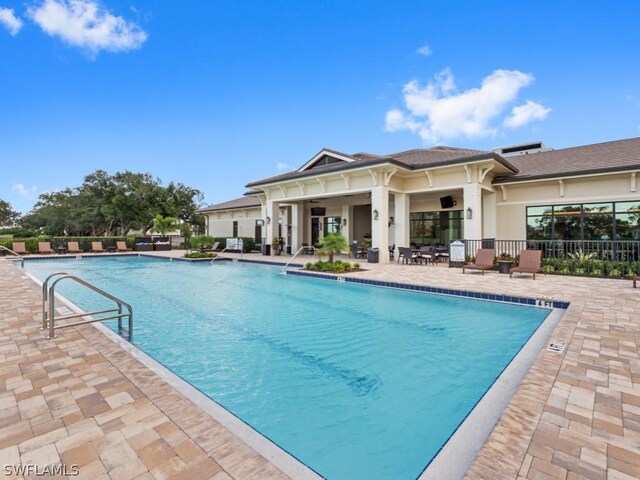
(528,112)
(9,21)
(283,166)
(24,192)
(87,25)
(439,111)
(424,50)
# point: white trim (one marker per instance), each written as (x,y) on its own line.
(633,182)
(566,177)
(561,183)
(374,177)
(347,181)
(323,184)
(504,192)
(583,199)
(468,170)
(387,176)
(485,171)
(321,154)
(429,177)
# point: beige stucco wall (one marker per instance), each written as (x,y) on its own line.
(221,223)
(511,212)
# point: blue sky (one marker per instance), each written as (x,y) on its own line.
(215,94)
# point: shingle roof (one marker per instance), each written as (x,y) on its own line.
(242,202)
(409,159)
(595,158)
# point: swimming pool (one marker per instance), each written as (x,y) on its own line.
(354,381)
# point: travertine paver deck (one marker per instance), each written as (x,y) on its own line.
(576,415)
(81,399)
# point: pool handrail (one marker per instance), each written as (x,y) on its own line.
(218,255)
(304,247)
(2,247)
(48,307)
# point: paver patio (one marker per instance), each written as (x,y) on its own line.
(81,398)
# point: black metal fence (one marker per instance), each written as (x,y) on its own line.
(608,250)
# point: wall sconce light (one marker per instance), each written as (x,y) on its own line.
(344,222)
(390,221)
(375,214)
(268,220)
(469,213)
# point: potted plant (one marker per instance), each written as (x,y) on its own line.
(276,244)
(505,262)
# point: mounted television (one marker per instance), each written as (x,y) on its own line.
(446,202)
(318,211)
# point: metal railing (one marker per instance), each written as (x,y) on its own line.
(304,247)
(2,247)
(49,317)
(218,255)
(606,250)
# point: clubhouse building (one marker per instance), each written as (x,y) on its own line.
(436,195)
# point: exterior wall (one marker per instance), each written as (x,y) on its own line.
(511,212)
(220,224)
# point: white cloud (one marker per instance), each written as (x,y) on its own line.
(523,114)
(88,25)
(281,166)
(438,111)
(425,51)
(9,21)
(24,191)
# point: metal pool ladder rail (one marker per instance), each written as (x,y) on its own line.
(2,247)
(304,247)
(218,255)
(49,318)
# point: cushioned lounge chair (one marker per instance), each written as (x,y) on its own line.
(44,247)
(484,260)
(122,247)
(97,247)
(73,247)
(530,262)
(19,248)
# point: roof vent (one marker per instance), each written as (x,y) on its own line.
(522,149)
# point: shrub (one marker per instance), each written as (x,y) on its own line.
(200,255)
(337,266)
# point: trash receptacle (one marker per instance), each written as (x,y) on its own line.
(266,249)
(373,255)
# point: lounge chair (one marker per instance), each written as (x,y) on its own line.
(72,247)
(428,254)
(122,247)
(484,260)
(530,262)
(44,247)
(97,247)
(214,248)
(19,248)
(407,255)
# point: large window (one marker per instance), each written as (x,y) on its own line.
(332,225)
(430,228)
(586,221)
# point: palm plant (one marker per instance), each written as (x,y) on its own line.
(332,244)
(164,224)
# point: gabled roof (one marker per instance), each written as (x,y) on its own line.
(618,155)
(242,202)
(410,160)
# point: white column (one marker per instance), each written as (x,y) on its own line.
(273,215)
(297,226)
(401,220)
(473,201)
(345,230)
(489,213)
(380,226)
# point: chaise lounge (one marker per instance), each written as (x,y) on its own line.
(73,247)
(44,247)
(97,247)
(19,248)
(122,247)
(484,260)
(530,262)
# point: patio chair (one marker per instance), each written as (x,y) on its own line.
(73,247)
(122,247)
(428,254)
(19,248)
(484,260)
(97,247)
(530,262)
(392,250)
(214,248)
(44,247)
(408,256)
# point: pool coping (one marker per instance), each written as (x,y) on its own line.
(456,455)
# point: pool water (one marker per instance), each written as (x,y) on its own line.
(354,381)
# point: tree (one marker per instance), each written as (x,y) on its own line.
(8,216)
(332,244)
(164,224)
